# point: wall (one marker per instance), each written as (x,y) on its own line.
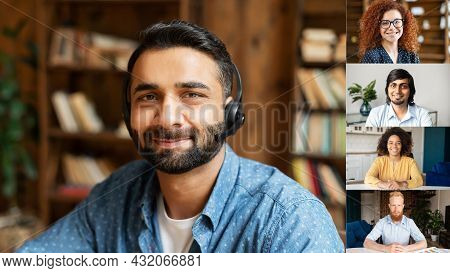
(261,37)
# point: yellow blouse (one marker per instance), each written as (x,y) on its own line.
(383,169)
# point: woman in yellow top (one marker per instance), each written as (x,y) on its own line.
(394,168)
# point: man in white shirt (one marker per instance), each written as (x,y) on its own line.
(395,229)
(400,109)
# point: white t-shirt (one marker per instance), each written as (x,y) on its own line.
(176,235)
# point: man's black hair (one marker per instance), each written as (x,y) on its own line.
(400,74)
(179,33)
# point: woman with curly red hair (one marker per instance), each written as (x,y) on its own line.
(394,168)
(388,34)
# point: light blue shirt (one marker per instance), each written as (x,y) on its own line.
(252,208)
(384,116)
(398,233)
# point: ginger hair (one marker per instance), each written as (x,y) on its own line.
(396,194)
(369,27)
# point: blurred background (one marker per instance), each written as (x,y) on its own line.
(433,21)
(62,67)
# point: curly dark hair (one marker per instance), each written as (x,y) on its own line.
(405,139)
(369,28)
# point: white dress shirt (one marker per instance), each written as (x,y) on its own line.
(384,116)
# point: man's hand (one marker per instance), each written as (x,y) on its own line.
(395,248)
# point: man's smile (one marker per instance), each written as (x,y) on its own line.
(170,143)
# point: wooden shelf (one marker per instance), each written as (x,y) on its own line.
(59,196)
(320,65)
(329,111)
(81,69)
(432,56)
(102,2)
(103,137)
(433,43)
(316,156)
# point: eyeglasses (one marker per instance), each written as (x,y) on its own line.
(398,23)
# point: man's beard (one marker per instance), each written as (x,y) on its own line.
(206,144)
(400,101)
(397,218)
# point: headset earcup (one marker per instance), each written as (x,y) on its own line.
(234,117)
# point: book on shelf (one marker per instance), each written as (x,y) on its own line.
(64,114)
(70,191)
(122,131)
(321,45)
(317,133)
(76,113)
(320,179)
(85,113)
(341,49)
(77,48)
(85,171)
(323,89)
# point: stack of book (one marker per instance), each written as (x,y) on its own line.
(84,170)
(81,173)
(323,89)
(75,113)
(317,133)
(320,45)
(320,179)
(77,48)
(341,50)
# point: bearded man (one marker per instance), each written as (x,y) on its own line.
(395,230)
(400,109)
(192,193)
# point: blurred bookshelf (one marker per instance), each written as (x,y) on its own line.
(318,123)
(433,21)
(355,9)
(82,64)
(432,17)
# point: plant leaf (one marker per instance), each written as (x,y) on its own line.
(7,89)
(28,165)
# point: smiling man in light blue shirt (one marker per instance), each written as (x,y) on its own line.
(192,193)
(400,109)
(395,230)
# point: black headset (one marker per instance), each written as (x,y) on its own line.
(234,114)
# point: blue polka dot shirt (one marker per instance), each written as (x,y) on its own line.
(378,55)
(252,208)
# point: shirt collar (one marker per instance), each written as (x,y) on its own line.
(224,185)
(403,221)
(216,202)
(410,113)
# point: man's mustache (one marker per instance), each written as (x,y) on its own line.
(160,132)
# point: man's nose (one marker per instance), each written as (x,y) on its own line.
(170,113)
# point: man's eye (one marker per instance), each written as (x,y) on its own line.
(148,97)
(192,95)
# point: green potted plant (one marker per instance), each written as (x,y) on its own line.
(16,118)
(366,94)
(435,224)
